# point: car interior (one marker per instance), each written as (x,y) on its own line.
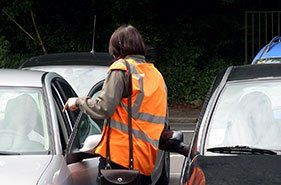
(23,126)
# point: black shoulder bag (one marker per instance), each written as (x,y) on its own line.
(122,176)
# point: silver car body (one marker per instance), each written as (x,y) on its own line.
(83,71)
(51,168)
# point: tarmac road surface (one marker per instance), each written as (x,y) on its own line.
(176,159)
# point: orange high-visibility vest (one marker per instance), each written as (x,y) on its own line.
(149,108)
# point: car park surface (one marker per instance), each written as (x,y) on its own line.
(85,72)
(237,136)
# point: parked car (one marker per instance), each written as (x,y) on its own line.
(84,70)
(34,132)
(237,137)
(270,53)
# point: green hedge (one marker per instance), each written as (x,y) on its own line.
(186,81)
(191,45)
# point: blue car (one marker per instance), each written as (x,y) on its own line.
(270,53)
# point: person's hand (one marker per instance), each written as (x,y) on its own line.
(70,104)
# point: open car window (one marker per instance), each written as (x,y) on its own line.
(89,126)
(247,114)
(23,125)
(94,93)
(87,131)
(84,131)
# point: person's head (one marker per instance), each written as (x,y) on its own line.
(126,40)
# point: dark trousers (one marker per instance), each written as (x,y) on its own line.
(145,180)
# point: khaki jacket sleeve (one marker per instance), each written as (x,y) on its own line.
(110,96)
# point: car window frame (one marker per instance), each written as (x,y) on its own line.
(202,127)
(73,142)
(42,90)
(62,128)
(71,115)
(60,97)
(202,135)
(207,132)
(59,105)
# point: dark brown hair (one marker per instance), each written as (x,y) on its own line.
(126,40)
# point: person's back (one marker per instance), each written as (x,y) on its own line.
(148,112)
(149,105)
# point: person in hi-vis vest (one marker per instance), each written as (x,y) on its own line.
(149,104)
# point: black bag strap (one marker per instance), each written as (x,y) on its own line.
(130,129)
(107,145)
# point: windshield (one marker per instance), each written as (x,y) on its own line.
(23,126)
(81,78)
(269,60)
(247,114)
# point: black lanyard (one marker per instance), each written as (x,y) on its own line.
(130,129)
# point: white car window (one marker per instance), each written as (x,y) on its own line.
(247,113)
(23,125)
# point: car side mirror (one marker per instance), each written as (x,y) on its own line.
(172,141)
(90,143)
(76,155)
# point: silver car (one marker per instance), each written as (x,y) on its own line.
(82,70)
(86,72)
(35,133)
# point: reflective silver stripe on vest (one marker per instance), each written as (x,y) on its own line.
(136,133)
(149,118)
(137,103)
(146,116)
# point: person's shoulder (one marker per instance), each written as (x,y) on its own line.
(118,65)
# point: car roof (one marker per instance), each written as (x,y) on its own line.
(247,72)
(269,51)
(69,58)
(273,52)
(23,78)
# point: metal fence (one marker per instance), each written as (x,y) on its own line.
(260,28)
